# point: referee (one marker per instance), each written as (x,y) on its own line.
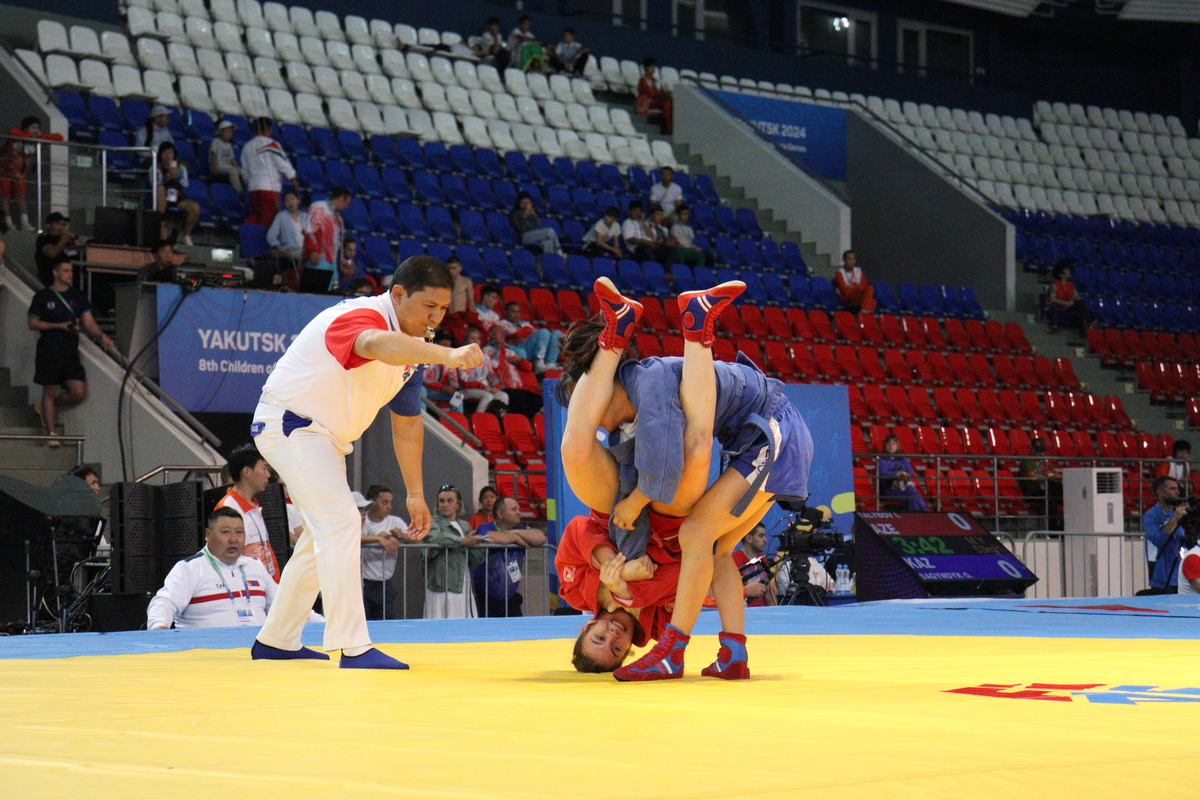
(58,312)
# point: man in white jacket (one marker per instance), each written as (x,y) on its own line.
(265,167)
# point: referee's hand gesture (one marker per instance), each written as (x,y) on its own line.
(465,357)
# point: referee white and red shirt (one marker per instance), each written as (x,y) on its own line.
(203,591)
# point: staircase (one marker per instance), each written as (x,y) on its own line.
(25,459)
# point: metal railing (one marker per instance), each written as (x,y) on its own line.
(1082,564)
(166,471)
(416,567)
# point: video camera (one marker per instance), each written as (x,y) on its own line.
(806,535)
(1190,524)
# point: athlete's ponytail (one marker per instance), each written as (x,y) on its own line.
(576,353)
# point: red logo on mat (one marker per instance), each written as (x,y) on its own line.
(1034,691)
(1125,695)
(1110,608)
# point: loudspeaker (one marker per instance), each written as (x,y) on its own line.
(901,556)
(182,524)
(153,527)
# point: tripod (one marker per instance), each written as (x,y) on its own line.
(799,591)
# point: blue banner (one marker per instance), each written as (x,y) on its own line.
(811,134)
(221,344)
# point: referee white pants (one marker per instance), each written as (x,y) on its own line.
(327,557)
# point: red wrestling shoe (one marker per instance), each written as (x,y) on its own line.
(621,315)
(700,310)
(664,662)
(731,663)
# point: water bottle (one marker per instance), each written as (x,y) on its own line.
(456,401)
(842,581)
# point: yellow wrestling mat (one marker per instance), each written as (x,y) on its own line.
(837,716)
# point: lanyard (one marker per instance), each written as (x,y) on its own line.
(65,303)
(245,583)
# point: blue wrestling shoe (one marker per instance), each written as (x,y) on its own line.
(621,315)
(265,652)
(372,659)
(662,663)
(699,310)
(732,663)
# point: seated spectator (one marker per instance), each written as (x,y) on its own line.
(162,268)
(462,297)
(244,591)
(488,308)
(539,345)
(664,251)
(157,128)
(434,383)
(487,499)
(667,193)
(756,577)
(490,48)
(171,200)
(1164,535)
(639,238)
(55,245)
(350,270)
(528,225)
(221,161)
(1180,465)
(477,383)
(1063,301)
(366,287)
(683,239)
(525,51)
(250,474)
(288,229)
(17,159)
(506,365)
(569,55)
(652,99)
(1042,490)
(854,292)
(496,582)
(604,238)
(382,535)
(448,593)
(896,478)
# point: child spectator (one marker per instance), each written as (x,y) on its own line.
(17,158)
(604,238)
(1063,299)
(477,383)
(290,226)
(172,181)
(667,193)
(528,225)
(221,163)
(569,55)
(507,366)
(487,499)
(683,239)
(157,128)
(490,47)
(652,99)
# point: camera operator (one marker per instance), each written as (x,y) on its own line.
(1164,535)
(756,576)
(53,246)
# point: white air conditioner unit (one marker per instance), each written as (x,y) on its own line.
(1092,500)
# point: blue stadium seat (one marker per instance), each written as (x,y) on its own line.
(702,243)
(533,191)
(135,112)
(792,259)
(802,291)
(506,194)
(120,163)
(324,142)
(656,278)
(748,222)
(410,153)
(338,173)
(187,154)
(440,223)
(703,219)
(624,200)
(951,300)
(684,281)
(356,217)
(543,171)
(639,181)
(177,126)
(383,219)
(703,186)
(589,176)
(771,255)
(252,240)
(755,290)
(573,232)
(826,297)
(368,180)
(685,184)
(438,157)
(970,303)
(481,193)
(454,188)
(474,228)
(311,174)
(605,267)
(564,171)
(379,252)
(585,203)
(395,183)
(471,260)
(909,300)
(383,150)
(630,278)
(748,252)
(931,299)
(517,166)
(496,266)
(463,159)
(605,199)
(201,125)
(241,128)
(75,110)
(352,145)
(727,250)
(413,221)
(524,265)
(554,268)
(885,298)
(500,229)
(226,203)
(198,191)
(705,277)
(558,199)
(725,274)
(295,140)
(726,220)
(777,292)
(440,250)
(610,178)
(580,271)
(427,188)
(410,248)
(105,113)
(488,163)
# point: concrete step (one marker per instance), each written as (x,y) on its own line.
(16,454)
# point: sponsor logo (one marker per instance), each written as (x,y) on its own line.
(1124,694)
(568,575)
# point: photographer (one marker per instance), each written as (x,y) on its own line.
(1164,535)
(755,576)
(57,313)
(53,246)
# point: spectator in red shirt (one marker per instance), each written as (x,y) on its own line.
(1063,299)
(652,99)
(487,499)
(756,577)
(853,289)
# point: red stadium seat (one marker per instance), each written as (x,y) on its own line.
(876,402)
(1130,448)
(893,334)
(963,374)
(947,404)
(897,369)
(1025,371)
(996,336)
(827,364)
(1097,411)
(801,327)
(1019,439)
(1032,408)
(821,326)
(872,367)
(723,350)
(1169,347)
(515,294)
(928,441)
(969,405)
(999,441)
(871,332)
(777,324)
(730,323)
(1010,404)
(864,491)
(1097,344)
(977,335)
(778,360)
(671,312)
(989,401)
(1056,409)
(1044,369)
(974,442)
(545,309)
(956,335)
(858,442)
(913,331)
(859,410)
(942,373)
(672,346)
(934,337)
(752,351)
(878,434)
(1064,445)
(570,306)
(1084,445)
(1006,373)
(901,406)
(461,419)
(1077,408)
(1193,411)
(921,367)
(908,441)
(802,358)
(1016,338)
(648,345)
(752,320)
(847,327)
(982,370)
(921,405)
(654,317)
(847,359)
(1106,441)
(539,427)
(1188,347)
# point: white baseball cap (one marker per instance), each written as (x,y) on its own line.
(359,500)
(223,124)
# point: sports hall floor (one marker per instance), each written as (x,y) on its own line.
(919,699)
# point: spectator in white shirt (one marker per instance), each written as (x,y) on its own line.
(288,229)
(221,163)
(683,239)
(638,236)
(265,166)
(490,47)
(569,55)
(488,307)
(218,587)
(604,238)
(1180,466)
(667,193)
(382,535)
(521,37)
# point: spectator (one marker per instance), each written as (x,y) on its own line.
(569,55)
(476,383)
(639,239)
(525,52)
(54,246)
(496,582)
(506,366)
(221,162)
(57,312)
(326,230)
(487,499)
(17,158)
(1041,490)
(89,476)
(250,474)
(1063,300)
(157,128)
(855,293)
(652,99)
(663,250)
(1164,535)
(528,225)
(490,47)
(754,565)
(172,201)
(448,592)
(162,268)
(604,238)
(683,239)
(265,166)
(462,297)
(489,302)
(1180,466)
(896,484)
(382,535)
(288,229)
(350,271)
(667,193)
(434,383)
(244,590)
(539,345)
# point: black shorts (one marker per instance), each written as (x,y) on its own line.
(55,366)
